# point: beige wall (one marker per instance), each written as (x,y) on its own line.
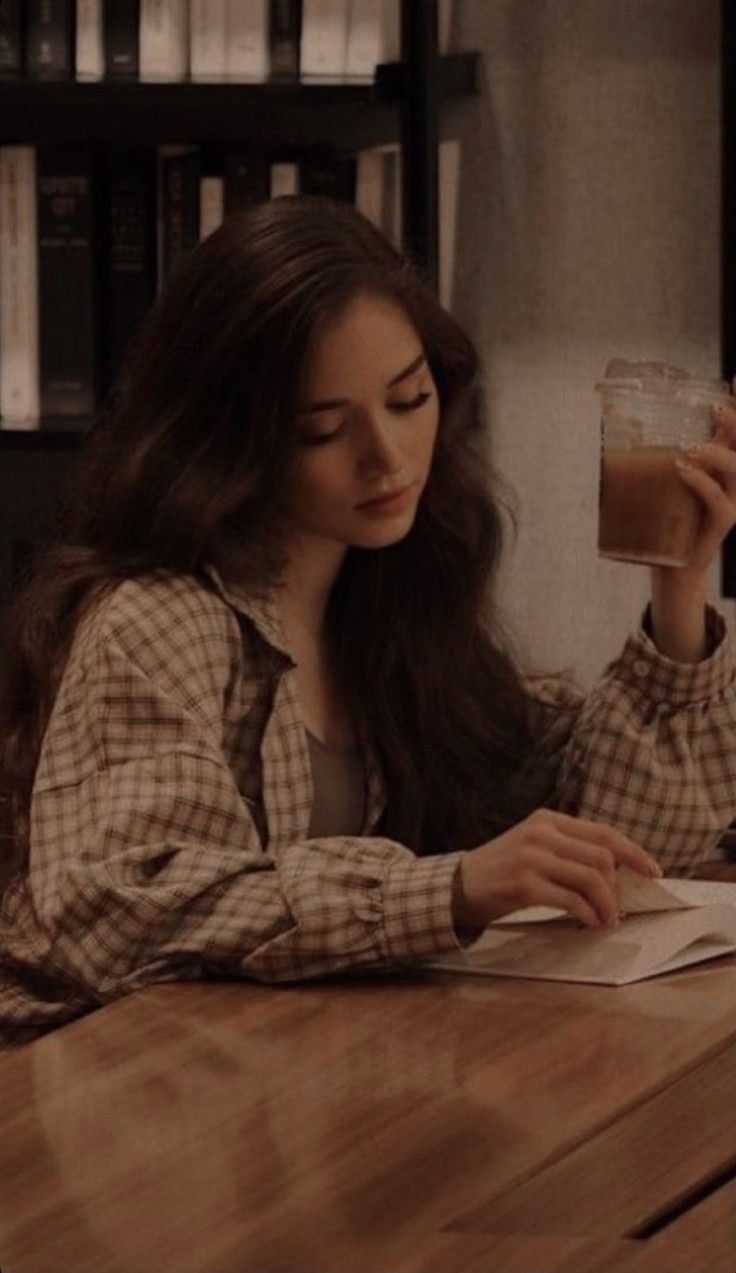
(588,228)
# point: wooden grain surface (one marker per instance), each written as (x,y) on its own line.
(345,1125)
(631,1172)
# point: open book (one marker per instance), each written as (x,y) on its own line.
(668,923)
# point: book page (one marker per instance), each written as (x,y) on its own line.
(643,946)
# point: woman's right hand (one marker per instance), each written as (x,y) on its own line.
(549,859)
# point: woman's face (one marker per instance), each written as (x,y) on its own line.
(366,428)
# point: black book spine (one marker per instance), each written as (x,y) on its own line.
(11,40)
(50,48)
(246,179)
(284,38)
(324,172)
(180,176)
(129,257)
(67,281)
(121,24)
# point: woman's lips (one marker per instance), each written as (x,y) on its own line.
(389,503)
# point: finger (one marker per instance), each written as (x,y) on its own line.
(596,856)
(551,894)
(625,851)
(714,457)
(724,420)
(587,883)
(718,502)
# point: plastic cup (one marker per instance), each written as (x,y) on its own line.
(650,413)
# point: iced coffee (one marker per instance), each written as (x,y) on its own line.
(651,412)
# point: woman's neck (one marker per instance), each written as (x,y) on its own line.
(306,586)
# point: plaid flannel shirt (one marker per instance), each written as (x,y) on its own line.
(171,805)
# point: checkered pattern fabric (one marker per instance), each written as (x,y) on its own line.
(173,794)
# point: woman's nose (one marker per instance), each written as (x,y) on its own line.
(380,451)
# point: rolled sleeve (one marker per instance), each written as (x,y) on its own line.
(652,749)
(417,907)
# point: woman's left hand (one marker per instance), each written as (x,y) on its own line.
(712,477)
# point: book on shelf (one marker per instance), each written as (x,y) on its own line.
(211,203)
(178,217)
(68,280)
(284,178)
(19,379)
(324,36)
(208,39)
(90,51)
(374,34)
(11,40)
(369,184)
(163,40)
(284,38)
(668,924)
(121,33)
(50,39)
(248,50)
(129,260)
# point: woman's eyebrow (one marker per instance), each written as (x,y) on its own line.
(329,403)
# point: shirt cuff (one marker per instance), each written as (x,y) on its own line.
(665,681)
(417,907)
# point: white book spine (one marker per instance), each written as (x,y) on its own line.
(392,210)
(164,40)
(445,9)
(373,36)
(211,205)
(89,55)
(369,185)
(207,39)
(19,369)
(247,48)
(324,37)
(284,179)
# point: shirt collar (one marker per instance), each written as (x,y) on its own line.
(261,605)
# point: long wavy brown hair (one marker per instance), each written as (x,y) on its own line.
(185,465)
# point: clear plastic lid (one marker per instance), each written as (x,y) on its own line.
(657,403)
(647,375)
(663,378)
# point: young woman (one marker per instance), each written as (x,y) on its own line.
(259,717)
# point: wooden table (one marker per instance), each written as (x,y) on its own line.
(420,1123)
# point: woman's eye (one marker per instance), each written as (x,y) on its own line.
(412,405)
(318,439)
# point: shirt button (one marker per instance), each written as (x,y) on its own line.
(641,667)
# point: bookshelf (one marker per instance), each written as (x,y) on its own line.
(401,104)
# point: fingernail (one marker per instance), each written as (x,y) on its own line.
(655,869)
(683,464)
